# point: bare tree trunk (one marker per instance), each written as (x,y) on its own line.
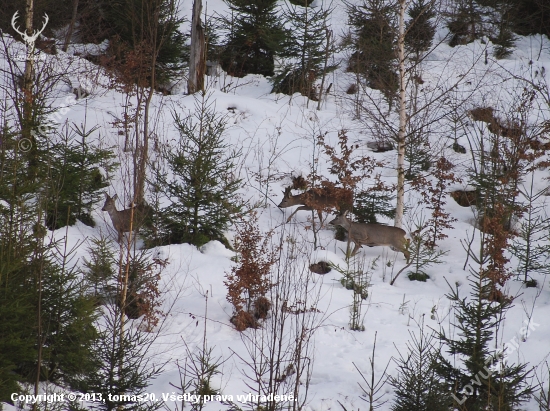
(39,255)
(71,27)
(327,51)
(402,119)
(29,74)
(39,331)
(197,63)
(142,151)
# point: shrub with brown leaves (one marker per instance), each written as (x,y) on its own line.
(249,282)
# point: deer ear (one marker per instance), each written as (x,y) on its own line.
(115,197)
(345,213)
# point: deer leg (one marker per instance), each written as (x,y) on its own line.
(404,250)
(320,214)
(301,208)
(357,247)
(290,216)
(407,255)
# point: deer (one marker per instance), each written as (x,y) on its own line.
(123,220)
(317,199)
(371,235)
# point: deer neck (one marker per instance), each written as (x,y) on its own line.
(347,224)
(113,214)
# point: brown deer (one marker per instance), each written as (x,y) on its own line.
(373,235)
(123,220)
(318,199)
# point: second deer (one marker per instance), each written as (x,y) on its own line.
(123,220)
(373,235)
(317,199)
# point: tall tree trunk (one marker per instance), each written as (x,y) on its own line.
(71,26)
(197,60)
(28,76)
(142,150)
(402,119)
(28,112)
(39,256)
(327,52)
(29,62)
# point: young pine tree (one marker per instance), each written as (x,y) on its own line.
(308,52)
(46,321)
(373,37)
(256,36)
(417,386)
(201,367)
(124,367)
(99,271)
(203,188)
(420,29)
(423,252)
(121,352)
(75,183)
(464,23)
(531,247)
(476,378)
(18,298)
(147,29)
(356,276)
(505,39)
(68,332)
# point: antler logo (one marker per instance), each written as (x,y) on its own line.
(29,40)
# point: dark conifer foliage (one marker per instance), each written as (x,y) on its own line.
(202,193)
(499,15)
(59,13)
(143,27)
(369,203)
(417,386)
(46,320)
(308,51)
(472,20)
(255,36)
(303,3)
(17,305)
(373,37)
(496,384)
(499,20)
(75,183)
(504,41)
(465,22)
(127,24)
(420,29)
(123,365)
(530,17)
(68,332)
(99,270)
(132,27)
